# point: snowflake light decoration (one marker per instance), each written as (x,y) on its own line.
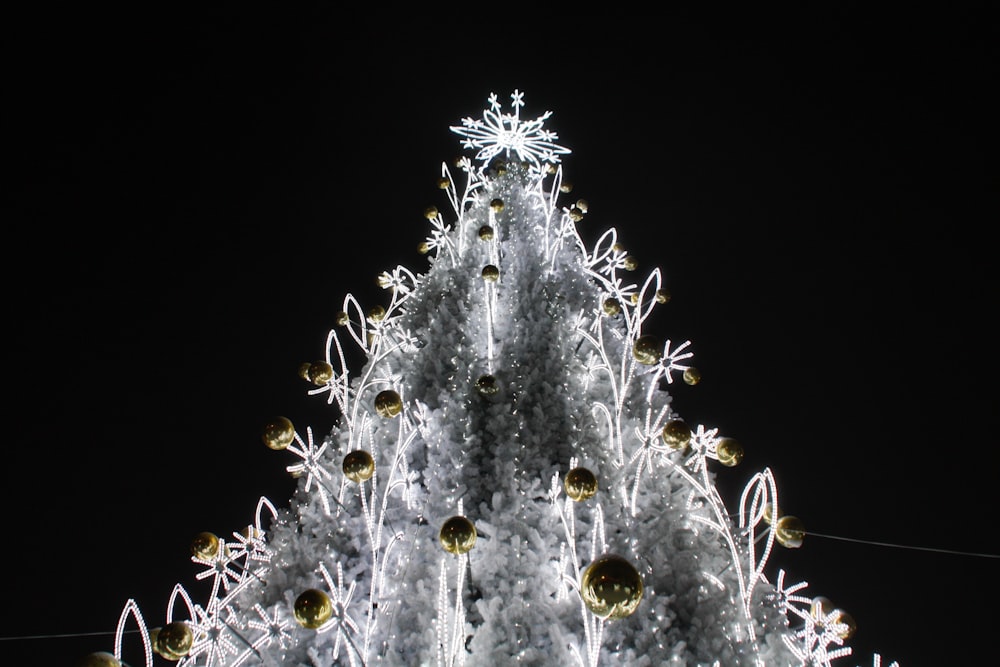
(500,133)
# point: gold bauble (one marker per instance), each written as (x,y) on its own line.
(769,514)
(500,167)
(491,273)
(313,608)
(580,484)
(789,531)
(647,350)
(205,546)
(174,640)
(303,371)
(388,403)
(611,307)
(154,634)
(376,313)
(611,587)
(582,205)
(486,233)
(575,214)
(662,296)
(99,659)
(358,466)
(431,212)
(423,247)
(692,376)
(565,187)
(278,433)
(487,385)
(847,624)
(320,373)
(676,434)
(820,607)
(457,535)
(496,205)
(342,319)
(618,247)
(250,533)
(444,182)
(630,263)
(729,451)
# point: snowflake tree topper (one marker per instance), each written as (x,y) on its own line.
(505,132)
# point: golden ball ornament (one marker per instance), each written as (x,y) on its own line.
(677,434)
(500,167)
(423,247)
(320,373)
(580,484)
(789,531)
(99,659)
(630,263)
(486,233)
(662,296)
(250,533)
(692,376)
(647,350)
(769,514)
(313,608)
(205,545)
(444,182)
(278,433)
(431,212)
(491,273)
(618,247)
(611,307)
(388,403)
(358,466)
(565,187)
(496,205)
(820,606)
(487,385)
(376,313)
(729,451)
(575,214)
(174,640)
(303,371)
(457,535)
(582,205)
(154,634)
(634,299)
(342,319)
(847,625)
(611,587)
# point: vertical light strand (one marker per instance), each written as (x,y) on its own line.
(490,301)
(493,263)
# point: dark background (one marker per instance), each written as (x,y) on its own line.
(190,195)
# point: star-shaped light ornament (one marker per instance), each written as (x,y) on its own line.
(505,133)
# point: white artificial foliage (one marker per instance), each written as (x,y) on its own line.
(569,392)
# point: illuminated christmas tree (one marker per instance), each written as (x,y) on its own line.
(508,482)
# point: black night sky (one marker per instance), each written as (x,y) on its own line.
(191,196)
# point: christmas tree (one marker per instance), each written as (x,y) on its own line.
(508,481)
